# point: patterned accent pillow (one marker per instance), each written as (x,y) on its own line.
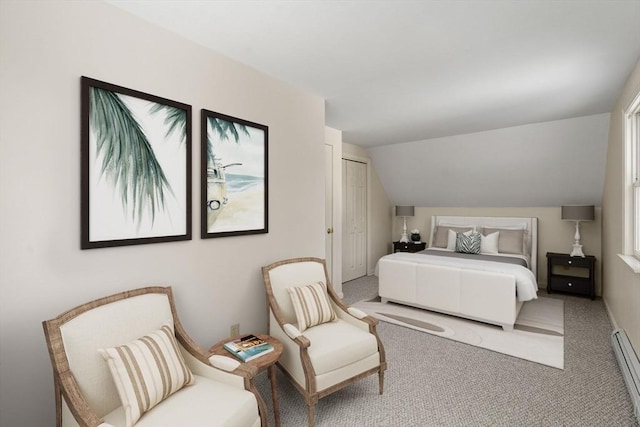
(312,305)
(468,244)
(147,371)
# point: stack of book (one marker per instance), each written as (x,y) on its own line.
(248,347)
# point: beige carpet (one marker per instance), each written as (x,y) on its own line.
(538,335)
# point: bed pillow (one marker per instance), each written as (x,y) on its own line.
(509,242)
(441,236)
(311,305)
(147,371)
(451,241)
(489,243)
(468,244)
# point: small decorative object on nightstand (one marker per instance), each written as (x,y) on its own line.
(566,273)
(409,246)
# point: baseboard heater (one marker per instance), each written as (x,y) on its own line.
(629,365)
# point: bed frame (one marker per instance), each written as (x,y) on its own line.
(478,295)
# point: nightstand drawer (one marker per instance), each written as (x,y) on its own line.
(408,247)
(572,261)
(571,284)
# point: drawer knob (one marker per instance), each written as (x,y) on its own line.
(568,262)
(570,284)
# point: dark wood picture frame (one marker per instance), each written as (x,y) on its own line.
(135,167)
(233,202)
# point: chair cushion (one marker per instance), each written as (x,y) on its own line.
(205,403)
(147,371)
(311,305)
(338,344)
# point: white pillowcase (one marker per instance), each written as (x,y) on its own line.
(489,243)
(451,241)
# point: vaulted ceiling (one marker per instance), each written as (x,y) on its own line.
(405,70)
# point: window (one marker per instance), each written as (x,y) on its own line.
(632,179)
(635,178)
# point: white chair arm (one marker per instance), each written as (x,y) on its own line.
(291,330)
(223,362)
(359,314)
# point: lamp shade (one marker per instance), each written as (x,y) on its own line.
(404,210)
(578,212)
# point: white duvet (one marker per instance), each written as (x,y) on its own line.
(526,285)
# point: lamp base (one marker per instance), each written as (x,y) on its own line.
(404,238)
(577,250)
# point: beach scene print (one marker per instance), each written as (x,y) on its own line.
(235,176)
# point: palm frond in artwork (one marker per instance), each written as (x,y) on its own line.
(176,120)
(225,130)
(128,159)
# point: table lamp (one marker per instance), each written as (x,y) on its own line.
(578,213)
(404,211)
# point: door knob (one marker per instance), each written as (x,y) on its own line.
(329,230)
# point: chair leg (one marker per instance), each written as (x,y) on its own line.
(381,380)
(312,407)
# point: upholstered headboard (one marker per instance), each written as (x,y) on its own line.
(529,224)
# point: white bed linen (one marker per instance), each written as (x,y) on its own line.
(526,286)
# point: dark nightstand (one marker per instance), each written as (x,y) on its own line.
(571,274)
(408,247)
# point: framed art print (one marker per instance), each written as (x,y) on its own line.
(234,176)
(136,167)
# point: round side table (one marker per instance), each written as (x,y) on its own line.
(266,361)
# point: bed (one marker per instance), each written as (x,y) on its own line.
(490,287)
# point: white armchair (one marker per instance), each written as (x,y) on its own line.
(328,356)
(216,392)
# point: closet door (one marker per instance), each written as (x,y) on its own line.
(354,224)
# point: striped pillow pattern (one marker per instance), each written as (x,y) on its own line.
(147,371)
(468,244)
(311,305)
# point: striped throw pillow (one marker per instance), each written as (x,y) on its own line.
(147,371)
(311,304)
(468,244)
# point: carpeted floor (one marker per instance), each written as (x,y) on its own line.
(448,383)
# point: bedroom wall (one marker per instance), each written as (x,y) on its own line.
(622,285)
(554,235)
(44,49)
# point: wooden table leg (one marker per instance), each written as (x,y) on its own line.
(274,394)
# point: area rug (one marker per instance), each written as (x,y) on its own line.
(538,335)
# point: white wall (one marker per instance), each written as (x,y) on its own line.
(542,164)
(621,284)
(44,49)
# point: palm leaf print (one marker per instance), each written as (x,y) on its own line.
(225,130)
(176,120)
(128,159)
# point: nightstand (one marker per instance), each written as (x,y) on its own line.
(409,247)
(569,274)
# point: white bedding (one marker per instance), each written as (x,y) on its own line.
(526,285)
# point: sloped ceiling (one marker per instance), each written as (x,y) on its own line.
(406,70)
(459,103)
